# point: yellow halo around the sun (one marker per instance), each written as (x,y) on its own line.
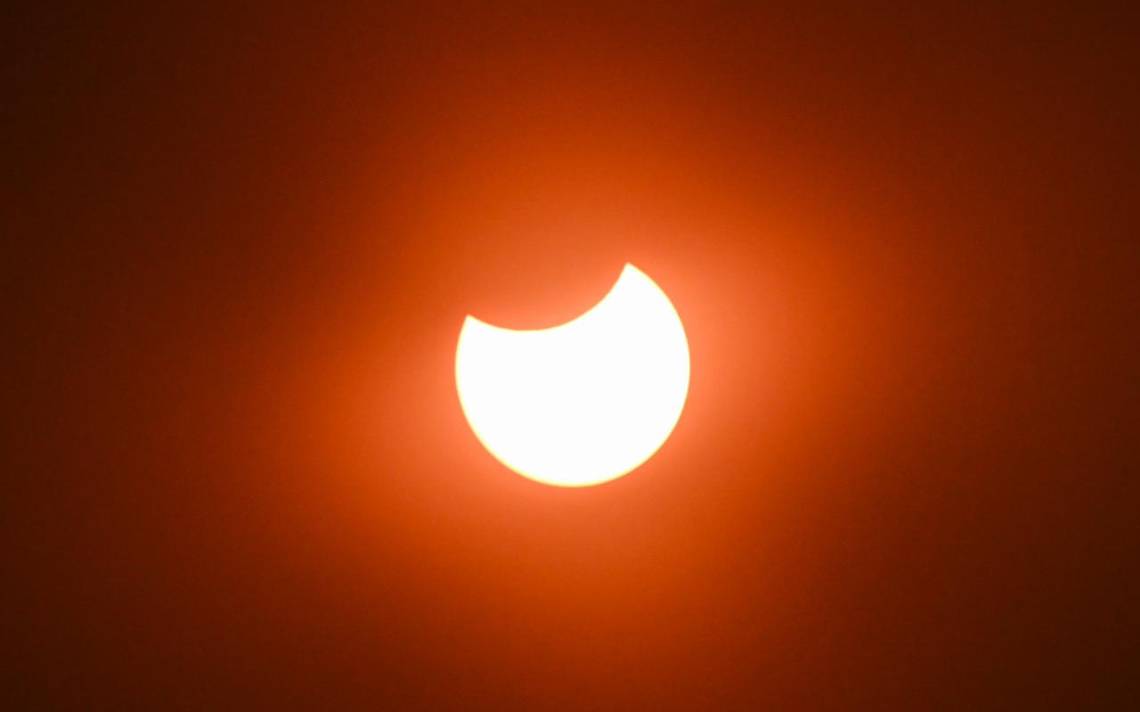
(583,402)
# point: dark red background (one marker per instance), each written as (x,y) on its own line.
(903,240)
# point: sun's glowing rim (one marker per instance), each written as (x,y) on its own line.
(614,314)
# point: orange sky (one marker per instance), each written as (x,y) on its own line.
(901,240)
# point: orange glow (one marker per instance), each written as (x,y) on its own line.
(584,402)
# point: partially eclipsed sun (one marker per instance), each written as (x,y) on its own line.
(583,402)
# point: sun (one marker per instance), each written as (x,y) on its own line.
(583,402)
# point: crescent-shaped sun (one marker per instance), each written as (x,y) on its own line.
(583,402)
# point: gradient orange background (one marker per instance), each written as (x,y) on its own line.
(903,244)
